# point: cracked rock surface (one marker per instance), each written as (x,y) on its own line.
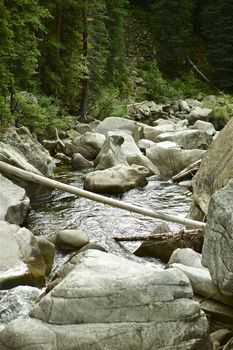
(109,302)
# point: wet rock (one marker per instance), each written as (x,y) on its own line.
(14,204)
(170,159)
(117,179)
(218,241)
(17,302)
(21,261)
(79,162)
(71,239)
(48,252)
(88,145)
(136,307)
(111,153)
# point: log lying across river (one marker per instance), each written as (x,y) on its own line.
(7,168)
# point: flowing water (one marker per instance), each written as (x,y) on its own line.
(101,222)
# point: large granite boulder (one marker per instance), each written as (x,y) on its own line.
(189,262)
(197,113)
(171,159)
(23,141)
(13,156)
(187,139)
(120,124)
(117,179)
(111,153)
(133,154)
(109,302)
(216,168)
(14,204)
(88,145)
(218,239)
(21,261)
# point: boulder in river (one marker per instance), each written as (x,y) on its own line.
(21,261)
(111,153)
(14,204)
(71,239)
(79,162)
(110,302)
(171,159)
(117,179)
(216,168)
(218,240)
(88,145)
(187,139)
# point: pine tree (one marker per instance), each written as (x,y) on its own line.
(116,62)
(218,30)
(171,25)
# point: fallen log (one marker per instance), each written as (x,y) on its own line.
(190,170)
(4,167)
(161,237)
(161,246)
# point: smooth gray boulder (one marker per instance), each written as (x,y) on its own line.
(197,113)
(218,239)
(190,262)
(11,155)
(22,140)
(187,139)
(111,153)
(21,261)
(109,302)
(133,154)
(88,145)
(216,168)
(120,124)
(47,250)
(170,159)
(71,239)
(14,204)
(205,126)
(117,179)
(79,162)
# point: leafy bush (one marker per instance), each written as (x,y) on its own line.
(108,104)
(222,108)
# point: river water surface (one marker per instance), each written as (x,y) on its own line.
(101,222)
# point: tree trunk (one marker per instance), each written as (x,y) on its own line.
(85,81)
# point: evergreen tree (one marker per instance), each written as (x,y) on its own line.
(218,31)
(171,25)
(116,62)
(19,24)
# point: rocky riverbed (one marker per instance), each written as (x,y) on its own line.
(98,299)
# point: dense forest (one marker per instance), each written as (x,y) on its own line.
(82,57)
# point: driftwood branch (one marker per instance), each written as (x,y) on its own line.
(190,170)
(4,167)
(163,237)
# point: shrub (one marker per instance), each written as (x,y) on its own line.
(108,104)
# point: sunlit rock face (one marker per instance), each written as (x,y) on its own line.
(110,302)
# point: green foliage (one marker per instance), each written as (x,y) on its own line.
(171,25)
(36,116)
(219,39)
(108,104)
(222,107)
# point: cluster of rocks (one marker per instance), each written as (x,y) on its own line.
(99,300)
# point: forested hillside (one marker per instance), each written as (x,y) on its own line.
(83,57)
